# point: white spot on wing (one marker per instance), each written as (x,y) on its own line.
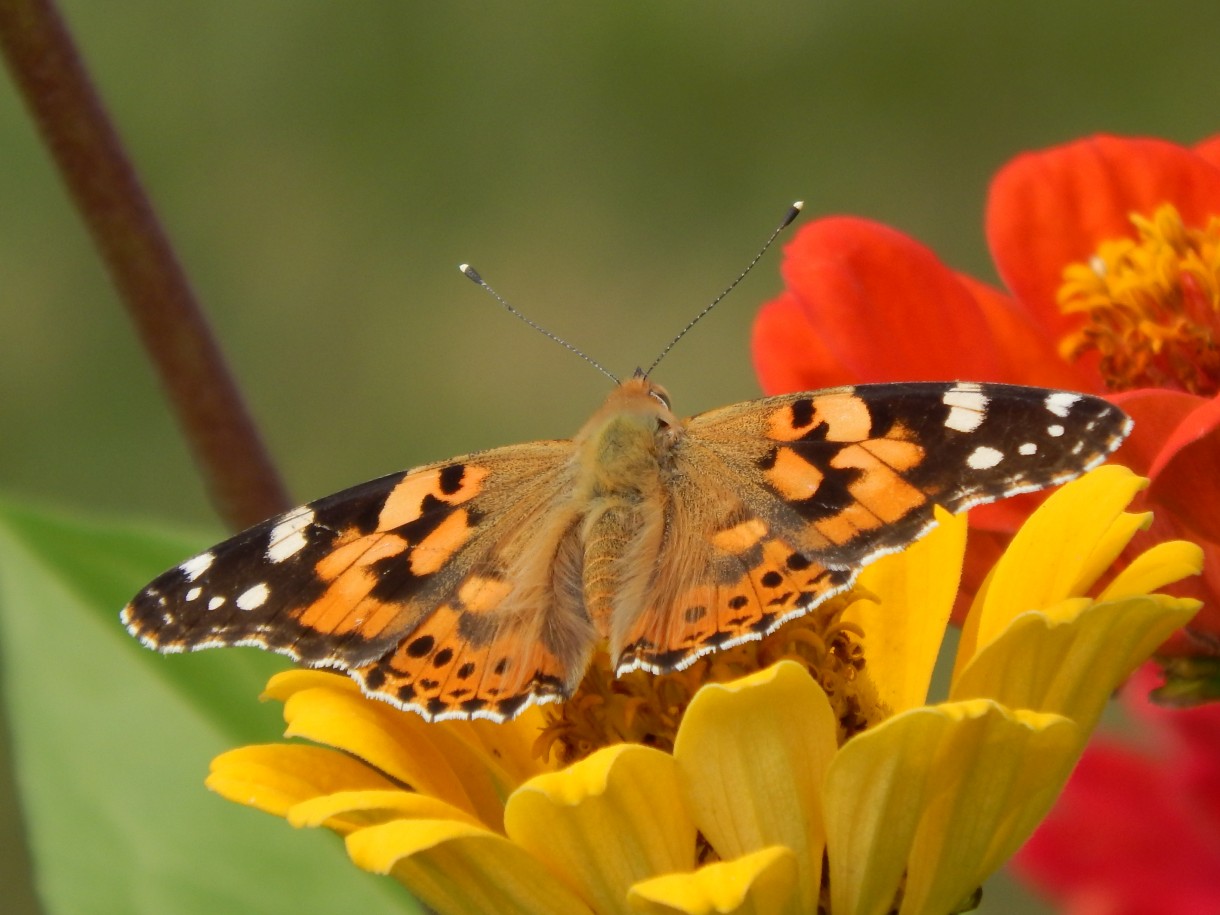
(196,566)
(1055,431)
(253,598)
(288,536)
(963,420)
(1028,448)
(216,602)
(1060,402)
(193,593)
(962,396)
(983,457)
(968,407)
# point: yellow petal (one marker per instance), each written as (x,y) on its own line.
(478,751)
(345,811)
(275,777)
(943,794)
(1047,559)
(999,776)
(904,629)
(456,868)
(1071,657)
(506,746)
(751,754)
(426,756)
(605,822)
(283,685)
(1108,548)
(761,883)
(1154,568)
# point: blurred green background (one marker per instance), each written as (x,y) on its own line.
(323,168)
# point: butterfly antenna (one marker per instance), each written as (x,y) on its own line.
(793,212)
(473,276)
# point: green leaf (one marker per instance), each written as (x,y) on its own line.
(111,743)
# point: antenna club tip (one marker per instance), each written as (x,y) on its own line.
(470,273)
(798,205)
(793,212)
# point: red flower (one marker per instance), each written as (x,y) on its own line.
(1137,830)
(1110,250)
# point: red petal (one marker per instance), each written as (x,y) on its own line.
(1029,350)
(887,306)
(789,355)
(1124,840)
(1209,149)
(1052,208)
(1186,472)
(1156,412)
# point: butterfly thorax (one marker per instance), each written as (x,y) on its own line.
(622,453)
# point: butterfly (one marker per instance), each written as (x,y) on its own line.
(476,586)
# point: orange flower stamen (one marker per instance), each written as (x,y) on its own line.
(1152,306)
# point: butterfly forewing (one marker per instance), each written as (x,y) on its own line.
(848,474)
(342,581)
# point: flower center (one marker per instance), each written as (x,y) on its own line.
(1152,306)
(646,708)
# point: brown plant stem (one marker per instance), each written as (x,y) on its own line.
(241,480)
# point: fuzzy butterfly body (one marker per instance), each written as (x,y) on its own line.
(476,586)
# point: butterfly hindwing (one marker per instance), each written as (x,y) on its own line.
(736,583)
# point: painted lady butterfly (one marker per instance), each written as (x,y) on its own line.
(475,586)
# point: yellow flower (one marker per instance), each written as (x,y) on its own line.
(769,781)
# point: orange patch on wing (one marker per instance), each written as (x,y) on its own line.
(843,527)
(882,492)
(846,415)
(360,552)
(900,431)
(781,428)
(446,539)
(898,454)
(846,418)
(405,502)
(345,606)
(792,476)
(740,537)
(332,612)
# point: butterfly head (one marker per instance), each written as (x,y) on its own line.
(627,434)
(641,396)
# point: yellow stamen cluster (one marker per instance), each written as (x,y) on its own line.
(645,708)
(1152,306)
